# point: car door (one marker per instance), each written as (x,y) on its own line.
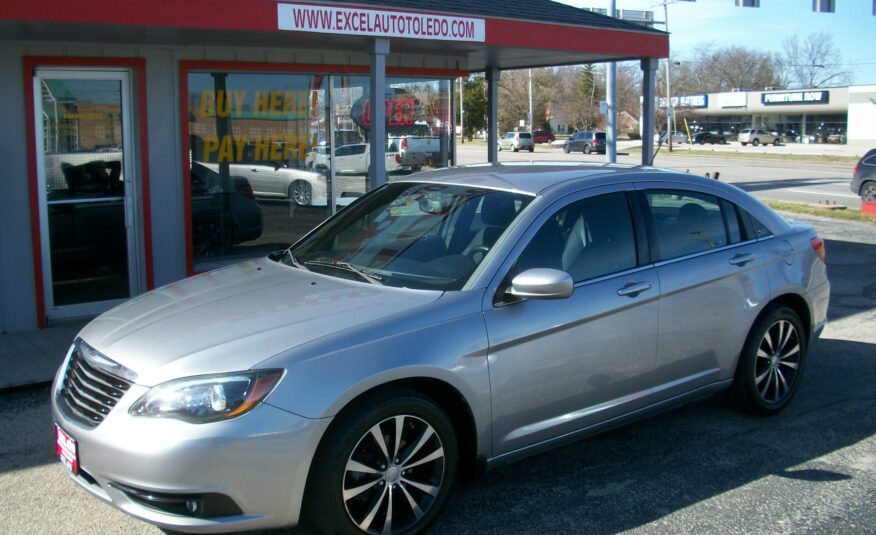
(712,281)
(558,366)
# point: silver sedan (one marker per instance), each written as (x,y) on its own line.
(440,325)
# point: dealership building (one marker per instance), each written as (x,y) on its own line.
(818,115)
(144,142)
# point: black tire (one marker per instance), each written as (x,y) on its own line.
(587,149)
(868,191)
(515,149)
(772,362)
(566,148)
(350,443)
(500,147)
(531,149)
(744,144)
(755,143)
(301,193)
(703,142)
(776,142)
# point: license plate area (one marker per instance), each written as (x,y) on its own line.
(67,449)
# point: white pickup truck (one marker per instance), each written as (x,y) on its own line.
(415,148)
(352,159)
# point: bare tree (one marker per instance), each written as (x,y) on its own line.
(724,69)
(814,61)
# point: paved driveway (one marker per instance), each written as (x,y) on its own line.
(703,468)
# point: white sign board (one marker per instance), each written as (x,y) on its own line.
(732,100)
(378,23)
(603,107)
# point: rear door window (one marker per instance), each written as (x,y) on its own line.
(688,222)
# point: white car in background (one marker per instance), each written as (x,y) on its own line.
(352,159)
(305,188)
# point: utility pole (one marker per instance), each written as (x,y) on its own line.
(461,110)
(530,100)
(669,110)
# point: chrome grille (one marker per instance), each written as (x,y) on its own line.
(88,393)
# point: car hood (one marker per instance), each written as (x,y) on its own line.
(235,317)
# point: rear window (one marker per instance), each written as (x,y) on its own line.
(600,136)
(525,136)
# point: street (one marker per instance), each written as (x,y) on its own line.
(703,468)
(802,181)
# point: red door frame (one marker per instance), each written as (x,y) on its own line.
(138,67)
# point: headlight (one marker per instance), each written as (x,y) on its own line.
(208,398)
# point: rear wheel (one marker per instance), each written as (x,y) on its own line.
(744,143)
(531,149)
(755,143)
(771,365)
(515,149)
(868,191)
(301,193)
(587,149)
(387,467)
(776,142)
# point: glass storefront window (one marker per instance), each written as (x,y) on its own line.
(260,160)
(252,140)
(418,126)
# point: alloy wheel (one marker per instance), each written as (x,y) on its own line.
(868,192)
(394,475)
(777,362)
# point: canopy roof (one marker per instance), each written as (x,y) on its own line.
(518,33)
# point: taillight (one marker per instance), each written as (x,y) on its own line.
(855,170)
(397,158)
(818,246)
(404,143)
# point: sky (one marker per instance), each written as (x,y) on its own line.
(720,22)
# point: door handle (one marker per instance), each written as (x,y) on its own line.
(254,170)
(633,289)
(741,259)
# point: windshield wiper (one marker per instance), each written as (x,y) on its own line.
(346,266)
(293,260)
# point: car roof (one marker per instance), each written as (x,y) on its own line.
(535,178)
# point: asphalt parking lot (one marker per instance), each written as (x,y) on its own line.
(703,468)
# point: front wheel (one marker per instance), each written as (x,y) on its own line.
(771,365)
(755,143)
(566,148)
(744,144)
(386,467)
(776,142)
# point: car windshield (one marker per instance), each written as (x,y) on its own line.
(410,235)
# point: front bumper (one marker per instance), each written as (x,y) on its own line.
(258,461)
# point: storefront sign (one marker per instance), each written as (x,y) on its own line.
(796,97)
(401,110)
(378,23)
(686,101)
(736,99)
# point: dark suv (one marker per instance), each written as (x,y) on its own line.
(864,177)
(586,142)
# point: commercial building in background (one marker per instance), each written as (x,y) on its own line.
(147,141)
(819,115)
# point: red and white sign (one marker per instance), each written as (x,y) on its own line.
(378,23)
(65,448)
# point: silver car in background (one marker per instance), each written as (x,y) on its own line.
(444,323)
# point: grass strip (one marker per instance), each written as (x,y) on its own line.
(798,208)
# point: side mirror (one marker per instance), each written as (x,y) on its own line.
(542,283)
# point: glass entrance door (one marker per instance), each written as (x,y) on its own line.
(86,184)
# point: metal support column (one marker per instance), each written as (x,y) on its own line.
(611,100)
(649,81)
(493,114)
(377,130)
